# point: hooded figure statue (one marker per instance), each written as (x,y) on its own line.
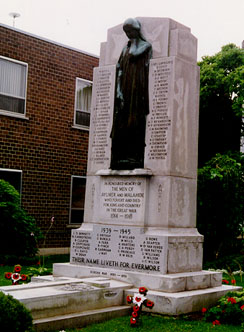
(131,104)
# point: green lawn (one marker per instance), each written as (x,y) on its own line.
(156,323)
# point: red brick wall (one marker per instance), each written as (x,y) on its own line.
(46,147)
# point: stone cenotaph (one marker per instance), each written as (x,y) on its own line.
(140,216)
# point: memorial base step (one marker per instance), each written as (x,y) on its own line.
(59,302)
(80,319)
(184,302)
(64,302)
(170,283)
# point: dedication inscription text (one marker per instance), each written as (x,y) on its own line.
(122,199)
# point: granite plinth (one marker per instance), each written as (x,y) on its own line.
(140,200)
(127,248)
(170,283)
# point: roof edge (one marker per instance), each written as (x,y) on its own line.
(47,40)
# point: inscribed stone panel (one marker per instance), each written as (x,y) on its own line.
(123,200)
(123,248)
(101,118)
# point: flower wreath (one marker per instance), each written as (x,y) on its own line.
(138,300)
(16,277)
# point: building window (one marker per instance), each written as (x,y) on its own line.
(13,80)
(77,199)
(13,176)
(82,102)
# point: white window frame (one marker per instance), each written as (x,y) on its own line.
(78,209)
(75,110)
(15,114)
(16,171)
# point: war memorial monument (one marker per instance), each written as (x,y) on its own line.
(139,224)
(140,209)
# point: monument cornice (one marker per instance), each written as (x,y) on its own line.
(134,172)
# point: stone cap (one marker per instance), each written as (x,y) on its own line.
(134,172)
(167,37)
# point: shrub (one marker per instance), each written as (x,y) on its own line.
(18,231)
(39,271)
(13,259)
(14,316)
(229,262)
(229,309)
(220,210)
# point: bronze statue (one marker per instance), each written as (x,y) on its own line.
(131,104)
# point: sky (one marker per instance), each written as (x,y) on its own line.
(83,24)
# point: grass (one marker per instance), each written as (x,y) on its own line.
(149,322)
(157,323)
(49,261)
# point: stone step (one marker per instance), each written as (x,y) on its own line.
(61,296)
(80,319)
(57,303)
(170,283)
(184,302)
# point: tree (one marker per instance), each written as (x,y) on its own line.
(18,231)
(220,210)
(221,102)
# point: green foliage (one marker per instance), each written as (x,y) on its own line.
(221,102)
(18,231)
(13,259)
(229,309)
(232,262)
(220,210)
(38,271)
(220,178)
(14,316)
(50,260)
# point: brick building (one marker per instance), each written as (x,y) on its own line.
(45,93)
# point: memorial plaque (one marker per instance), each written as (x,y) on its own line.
(159,119)
(123,199)
(101,118)
(119,247)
